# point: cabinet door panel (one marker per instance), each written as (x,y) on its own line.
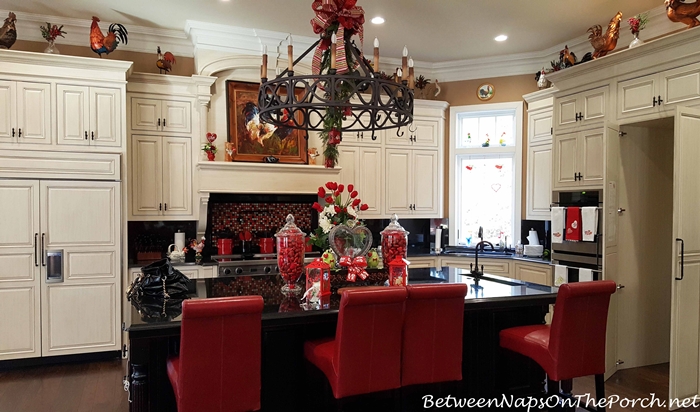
(73,108)
(567,111)
(91,265)
(427,132)
(425,183)
(593,162)
(539,182)
(8,111)
(398,136)
(534,274)
(105,120)
(145,114)
(34,112)
(541,127)
(349,161)
(370,185)
(594,103)
(565,160)
(20,322)
(146,175)
(681,85)
(177,176)
(398,186)
(636,96)
(177,116)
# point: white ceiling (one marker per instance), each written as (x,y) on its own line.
(434,30)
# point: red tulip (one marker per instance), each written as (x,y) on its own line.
(351,187)
(354,194)
(317,207)
(336,193)
(341,188)
(364,207)
(330,185)
(356,202)
(330,199)
(321,192)
(337,209)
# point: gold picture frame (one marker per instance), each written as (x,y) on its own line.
(485,92)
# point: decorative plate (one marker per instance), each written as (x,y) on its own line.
(485,92)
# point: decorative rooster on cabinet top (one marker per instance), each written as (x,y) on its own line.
(604,43)
(8,32)
(165,61)
(100,43)
(680,12)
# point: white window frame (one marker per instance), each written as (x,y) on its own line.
(455,153)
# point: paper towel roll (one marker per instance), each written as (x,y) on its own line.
(533,238)
(180,240)
(438,238)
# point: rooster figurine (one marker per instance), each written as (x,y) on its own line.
(165,61)
(680,12)
(8,32)
(100,43)
(604,43)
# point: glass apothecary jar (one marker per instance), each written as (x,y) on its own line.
(290,254)
(394,241)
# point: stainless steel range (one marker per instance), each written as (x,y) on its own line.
(255,265)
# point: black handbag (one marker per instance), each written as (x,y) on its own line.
(158,309)
(159,280)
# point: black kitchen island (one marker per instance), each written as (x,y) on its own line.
(493,303)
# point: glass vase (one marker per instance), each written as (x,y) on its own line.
(394,241)
(636,41)
(51,48)
(290,255)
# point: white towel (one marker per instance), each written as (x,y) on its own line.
(558,224)
(561,275)
(585,275)
(589,220)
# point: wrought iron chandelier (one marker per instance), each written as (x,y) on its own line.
(367,101)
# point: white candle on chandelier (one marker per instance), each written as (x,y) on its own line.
(411,75)
(404,63)
(376,55)
(334,41)
(290,54)
(399,73)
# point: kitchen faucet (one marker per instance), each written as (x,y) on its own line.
(475,270)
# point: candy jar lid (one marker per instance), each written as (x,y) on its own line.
(394,226)
(290,229)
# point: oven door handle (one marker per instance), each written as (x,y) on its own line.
(682,258)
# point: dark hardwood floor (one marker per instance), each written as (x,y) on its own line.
(98,387)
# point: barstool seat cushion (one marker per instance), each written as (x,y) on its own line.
(531,341)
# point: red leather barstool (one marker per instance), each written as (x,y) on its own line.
(218,368)
(365,355)
(432,334)
(574,344)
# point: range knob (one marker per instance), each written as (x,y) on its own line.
(268,269)
(227,271)
(239,271)
(277,269)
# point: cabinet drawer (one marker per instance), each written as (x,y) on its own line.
(499,267)
(422,262)
(539,274)
(190,273)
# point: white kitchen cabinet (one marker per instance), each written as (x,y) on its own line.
(498,267)
(362,138)
(361,167)
(161,177)
(581,109)
(25,112)
(89,116)
(539,273)
(423,262)
(412,182)
(539,182)
(424,131)
(578,159)
(540,126)
(155,115)
(658,92)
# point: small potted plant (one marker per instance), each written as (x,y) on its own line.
(209,147)
(49,33)
(637,24)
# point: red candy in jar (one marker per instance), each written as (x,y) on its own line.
(290,254)
(394,241)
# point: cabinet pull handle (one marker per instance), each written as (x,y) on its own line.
(86,135)
(160,206)
(19,132)
(653,102)
(164,122)
(660,100)
(682,257)
(166,207)
(43,250)
(92,135)
(36,249)
(13,132)
(159,121)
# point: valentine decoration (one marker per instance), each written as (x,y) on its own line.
(290,254)
(356,267)
(394,241)
(49,33)
(336,211)
(318,280)
(398,272)
(637,24)
(345,92)
(99,43)
(8,32)
(680,12)
(604,43)
(209,147)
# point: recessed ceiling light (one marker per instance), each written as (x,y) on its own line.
(502,37)
(378,20)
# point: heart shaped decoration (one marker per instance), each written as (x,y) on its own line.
(352,242)
(496,187)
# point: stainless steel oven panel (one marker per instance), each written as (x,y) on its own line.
(571,258)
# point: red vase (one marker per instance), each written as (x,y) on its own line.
(211,156)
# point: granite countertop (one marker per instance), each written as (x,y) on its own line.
(484,256)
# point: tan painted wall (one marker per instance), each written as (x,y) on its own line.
(143,62)
(463,93)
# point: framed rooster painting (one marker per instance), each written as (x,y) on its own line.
(255,141)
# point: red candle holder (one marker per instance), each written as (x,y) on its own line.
(398,272)
(318,280)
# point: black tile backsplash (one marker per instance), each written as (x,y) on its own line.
(157,236)
(541,226)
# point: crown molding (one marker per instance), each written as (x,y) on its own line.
(56,65)
(141,39)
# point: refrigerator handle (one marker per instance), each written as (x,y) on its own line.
(682,258)
(43,250)
(36,249)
